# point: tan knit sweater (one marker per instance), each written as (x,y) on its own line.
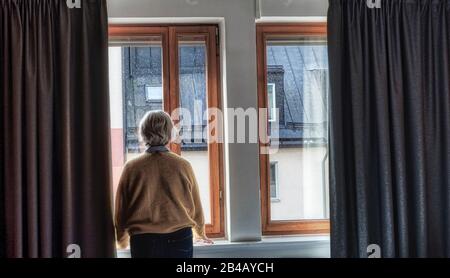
(157,193)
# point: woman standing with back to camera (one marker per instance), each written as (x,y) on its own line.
(158,202)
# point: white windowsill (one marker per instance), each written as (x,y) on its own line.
(314,246)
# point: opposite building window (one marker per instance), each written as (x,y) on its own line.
(274,181)
(271,98)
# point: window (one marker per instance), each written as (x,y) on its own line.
(153,93)
(274,181)
(168,68)
(271,97)
(293,62)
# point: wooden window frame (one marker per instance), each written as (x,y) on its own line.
(169,38)
(263,33)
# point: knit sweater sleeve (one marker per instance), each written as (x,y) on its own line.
(122,236)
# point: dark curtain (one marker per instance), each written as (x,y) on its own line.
(390,135)
(55,179)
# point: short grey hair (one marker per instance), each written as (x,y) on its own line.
(155,128)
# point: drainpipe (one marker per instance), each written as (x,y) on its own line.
(258,9)
(324,184)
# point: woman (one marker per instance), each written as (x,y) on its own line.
(158,203)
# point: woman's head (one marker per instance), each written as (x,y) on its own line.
(155,128)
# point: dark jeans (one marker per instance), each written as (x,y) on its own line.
(174,245)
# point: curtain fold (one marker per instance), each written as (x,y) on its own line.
(55,177)
(390,134)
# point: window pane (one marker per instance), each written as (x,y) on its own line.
(136,87)
(193,101)
(142,70)
(299,71)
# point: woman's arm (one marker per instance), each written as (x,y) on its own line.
(122,236)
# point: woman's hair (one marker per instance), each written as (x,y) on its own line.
(155,128)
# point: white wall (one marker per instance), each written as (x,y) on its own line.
(300,185)
(237,19)
(293,8)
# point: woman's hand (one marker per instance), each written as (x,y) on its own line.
(204,240)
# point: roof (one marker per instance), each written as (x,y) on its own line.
(305,85)
(305,69)
(304,88)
